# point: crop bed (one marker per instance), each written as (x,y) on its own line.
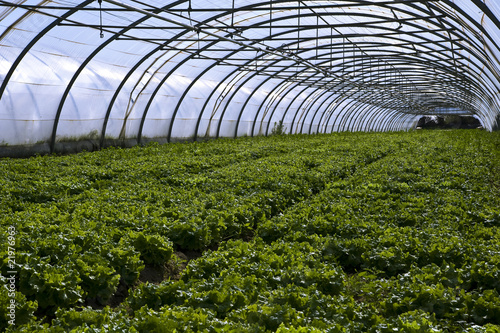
(348,232)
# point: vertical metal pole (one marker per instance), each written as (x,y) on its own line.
(331,48)
(232,15)
(353,61)
(343,56)
(298,27)
(317,37)
(100,19)
(270,18)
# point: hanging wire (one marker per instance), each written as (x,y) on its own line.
(353,60)
(298,28)
(370,67)
(317,36)
(101,34)
(198,40)
(343,56)
(196,29)
(232,17)
(270,18)
(256,60)
(362,67)
(331,46)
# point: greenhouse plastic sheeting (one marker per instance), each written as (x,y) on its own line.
(176,70)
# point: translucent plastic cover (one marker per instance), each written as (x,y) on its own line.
(177,70)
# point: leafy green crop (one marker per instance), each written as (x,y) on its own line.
(349,232)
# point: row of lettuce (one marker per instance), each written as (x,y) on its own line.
(340,233)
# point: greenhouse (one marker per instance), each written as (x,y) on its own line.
(250,166)
(128,72)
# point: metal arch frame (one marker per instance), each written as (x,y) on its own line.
(272,112)
(354,106)
(291,102)
(396,116)
(82,66)
(233,88)
(398,121)
(159,48)
(125,79)
(156,90)
(488,86)
(321,122)
(39,36)
(318,109)
(361,123)
(335,101)
(248,99)
(260,107)
(128,76)
(377,112)
(118,90)
(202,111)
(339,100)
(373,112)
(361,102)
(28,47)
(275,99)
(382,109)
(139,135)
(309,103)
(229,87)
(219,121)
(332,93)
(344,106)
(173,117)
(366,106)
(348,98)
(357,108)
(283,96)
(329,90)
(393,119)
(369,105)
(306,99)
(298,110)
(181,99)
(246,102)
(78,72)
(442,59)
(230,98)
(383,123)
(483,31)
(330,108)
(342,98)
